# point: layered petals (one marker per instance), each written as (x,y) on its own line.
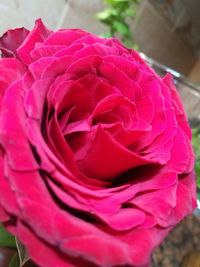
(96,164)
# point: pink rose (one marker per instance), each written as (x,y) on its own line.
(96,160)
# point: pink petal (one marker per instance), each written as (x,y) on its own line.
(126,65)
(35,98)
(32,242)
(143,242)
(11,70)
(189,181)
(158,203)
(45,51)
(184,205)
(83,239)
(182,157)
(36,68)
(13,135)
(8,198)
(38,34)
(96,49)
(105,151)
(97,87)
(85,65)
(57,67)
(125,219)
(178,106)
(65,37)
(4,216)
(69,50)
(103,252)
(89,39)
(117,78)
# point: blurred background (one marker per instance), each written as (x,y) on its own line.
(167,33)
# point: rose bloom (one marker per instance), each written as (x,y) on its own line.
(96,162)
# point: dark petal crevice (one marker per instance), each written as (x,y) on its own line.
(85,216)
(136,175)
(35,153)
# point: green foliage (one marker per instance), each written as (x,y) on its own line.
(6,239)
(196,145)
(22,253)
(14,261)
(117,17)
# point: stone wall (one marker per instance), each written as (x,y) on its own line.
(82,14)
(55,14)
(194,74)
(18,13)
(158,40)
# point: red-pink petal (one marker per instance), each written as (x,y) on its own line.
(11,40)
(38,34)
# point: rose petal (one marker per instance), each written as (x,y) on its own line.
(32,242)
(37,67)
(117,78)
(177,105)
(64,37)
(35,98)
(142,241)
(57,67)
(85,65)
(156,202)
(45,51)
(8,198)
(69,50)
(11,70)
(4,216)
(125,64)
(182,157)
(96,49)
(11,40)
(125,219)
(104,151)
(13,135)
(38,34)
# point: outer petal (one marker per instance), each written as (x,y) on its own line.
(38,34)
(10,70)
(8,201)
(11,40)
(38,249)
(13,135)
(178,106)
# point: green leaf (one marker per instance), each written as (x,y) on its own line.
(6,239)
(121,28)
(17,262)
(106,14)
(130,12)
(128,43)
(198,195)
(135,47)
(106,35)
(14,261)
(118,4)
(115,18)
(113,2)
(196,146)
